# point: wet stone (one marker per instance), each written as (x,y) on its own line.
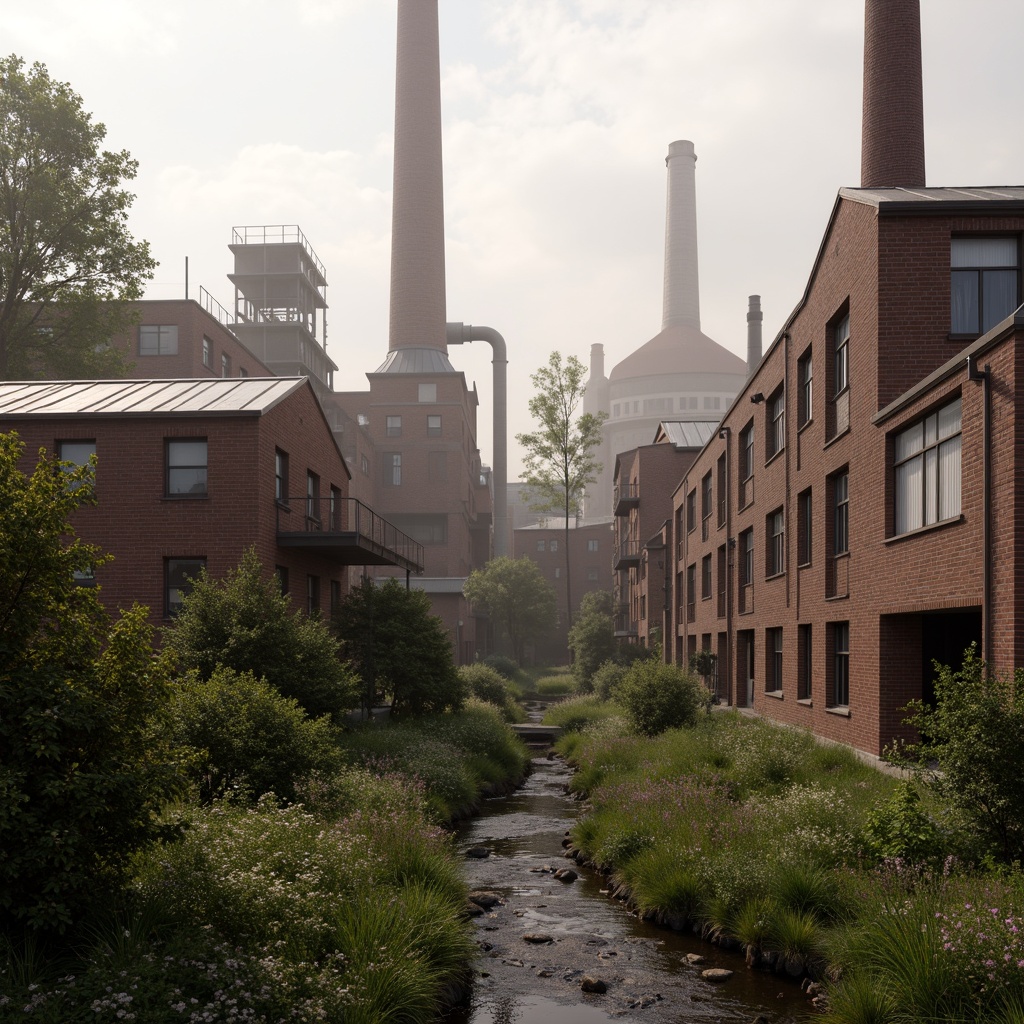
(591,984)
(716,974)
(537,938)
(479,852)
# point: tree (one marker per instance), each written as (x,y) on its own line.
(69,269)
(244,622)
(516,595)
(85,764)
(969,752)
(560,459)
(399,648)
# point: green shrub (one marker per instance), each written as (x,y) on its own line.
(487,684)
(555,686)
(578,713)
(900,828)
(248,738)
(607,678)
(503,666)
(656,697)
(592,637)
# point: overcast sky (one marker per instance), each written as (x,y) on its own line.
(557,119)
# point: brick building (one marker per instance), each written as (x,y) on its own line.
(857,514)
(192,473)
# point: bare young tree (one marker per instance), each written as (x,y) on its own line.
(560,452)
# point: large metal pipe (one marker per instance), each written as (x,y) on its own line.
(458,334)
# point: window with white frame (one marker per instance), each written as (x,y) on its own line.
(926,464)
(312,495)
(841,363)
(207,352)
(225,364)
(776,560)
(805,383)
(392,469)
(777,422)
(984,282)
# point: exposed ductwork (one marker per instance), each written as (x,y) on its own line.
(458,334)
(892,131)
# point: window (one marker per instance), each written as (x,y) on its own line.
(615,409)
(705,506)
(542,545)
(592,545)
(364,465)
(805,661)
(437,467)
(804,523)
(723,580)
(207,352)
(747,558)
(281,572)
(776,548)
(927,470)
(312,495)
(312,595)
(394,426)
(721,489)
(841,501)
(705,578)
(805,381)
(433,426)
(225,365)
(773,660)
(186,468)
(691,510)
(554,545)
(643,607)
(558,574)
(841,365)
(985,283)
(840,664)
(424,528)
(392,469)
(179,574)
(691,590)
(747,451)
(243,372)
(777,422)
(281,476)
(592,575)
(336,509)
(78,453)
(158,341)
(426,392)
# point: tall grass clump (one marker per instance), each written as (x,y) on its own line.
(554,685)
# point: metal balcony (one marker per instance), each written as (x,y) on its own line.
(623,622)
(627,556)
(347,530)
(627,496)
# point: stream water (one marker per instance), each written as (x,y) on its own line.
(645,967)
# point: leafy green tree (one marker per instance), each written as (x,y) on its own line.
(559,458)
(592,637)
(244,622)
(85,763)
(245,736)
(69,268)
(969,752)
(517,597)
(399,648)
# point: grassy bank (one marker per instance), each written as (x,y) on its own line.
(345,906)
(804,859)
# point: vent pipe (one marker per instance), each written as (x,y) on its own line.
(754,320)
(681,304)
(417,228)
(892,130)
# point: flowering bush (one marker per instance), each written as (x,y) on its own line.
(984,947)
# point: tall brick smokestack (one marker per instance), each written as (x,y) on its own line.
(681,297)
(417,229)
(892,139)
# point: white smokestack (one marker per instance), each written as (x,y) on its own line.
(754,321)
(681,296)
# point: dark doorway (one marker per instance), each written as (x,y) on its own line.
(944,638)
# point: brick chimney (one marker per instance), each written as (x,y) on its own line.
(892,140)
(417,231)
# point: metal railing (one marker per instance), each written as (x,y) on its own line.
(628,549)
(275,234)
(327,516)
(626,493)
(214,308)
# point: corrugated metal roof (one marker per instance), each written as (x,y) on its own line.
(689,433)
(926,196)
(217,396)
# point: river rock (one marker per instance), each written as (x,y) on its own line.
(716,974)
(566,875)
(588,983)
(484,899)
(537,938)
(472,910)
(479,852)
(694,958)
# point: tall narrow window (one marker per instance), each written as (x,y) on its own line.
(776,560)
(336,510)
(927,470)
(746,558)
(312,595)
(706,505)
(721,489)
(985,282)
(392,468)
(691,591)
(841,664)
(777,422)
(186,468)
(705,578)
(841,366)
(805,382)
(841,497)
(773,655)
(225,365)
(691,510)
(746,495)
(281,476)
(394,426)
(207,352)
(805,661)
(312,495)
(804,526)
